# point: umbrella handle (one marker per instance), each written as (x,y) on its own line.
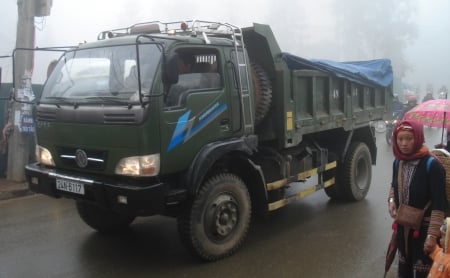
(443,127)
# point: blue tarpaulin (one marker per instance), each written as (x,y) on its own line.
(370,73)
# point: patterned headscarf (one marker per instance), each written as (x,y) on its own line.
(419,149)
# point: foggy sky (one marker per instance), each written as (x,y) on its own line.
(430,54)
(299,26)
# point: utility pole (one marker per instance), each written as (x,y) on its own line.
(21,138)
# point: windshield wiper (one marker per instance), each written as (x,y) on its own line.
(62,99)
(59,100)
(108,99)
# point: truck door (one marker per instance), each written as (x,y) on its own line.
(196,109)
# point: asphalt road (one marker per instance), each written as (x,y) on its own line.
(313,237)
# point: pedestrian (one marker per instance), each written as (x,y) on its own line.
(441,255)
(418,180)
(445,146)
(412,102)
(397,106)
(428,96)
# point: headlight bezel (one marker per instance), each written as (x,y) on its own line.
(139,166)
(44,156)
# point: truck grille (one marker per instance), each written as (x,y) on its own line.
(86,114)
(96,159)
(48,116)
(121,118)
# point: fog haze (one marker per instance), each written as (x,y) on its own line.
(304,28)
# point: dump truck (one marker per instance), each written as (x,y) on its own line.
(245,131)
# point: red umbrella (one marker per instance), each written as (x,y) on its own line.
(431,113)
(392,249)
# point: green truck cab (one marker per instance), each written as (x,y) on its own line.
(123,131)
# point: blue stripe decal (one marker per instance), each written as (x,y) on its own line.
(177,136)
(206,121)
(185,130)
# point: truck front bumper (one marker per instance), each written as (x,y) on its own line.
(119,196)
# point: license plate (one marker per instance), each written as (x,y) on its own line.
(70,186)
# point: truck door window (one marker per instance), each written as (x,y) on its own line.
(198,73)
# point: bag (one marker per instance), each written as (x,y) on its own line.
(410,216)
(444,157)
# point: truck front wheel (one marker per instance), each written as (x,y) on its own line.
(215,224)
(103,220)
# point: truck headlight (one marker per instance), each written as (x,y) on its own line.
(147,166)
(44,156)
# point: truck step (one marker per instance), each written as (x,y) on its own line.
(176,196)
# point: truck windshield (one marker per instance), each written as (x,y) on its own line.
(106,75)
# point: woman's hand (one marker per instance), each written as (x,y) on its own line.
(430,244)
(392,208)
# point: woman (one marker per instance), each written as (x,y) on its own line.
(421,186)
(441,255)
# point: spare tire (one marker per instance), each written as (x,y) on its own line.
(263,92)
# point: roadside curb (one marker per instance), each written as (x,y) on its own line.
(11,190)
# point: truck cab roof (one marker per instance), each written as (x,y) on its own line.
(194,32)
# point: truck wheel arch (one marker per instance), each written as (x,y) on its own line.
(235,156)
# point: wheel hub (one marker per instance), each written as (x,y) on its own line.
(224,215)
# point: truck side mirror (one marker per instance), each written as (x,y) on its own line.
(170,69)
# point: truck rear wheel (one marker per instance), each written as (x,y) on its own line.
(216,223)
(102,220)
(263,92)
(356,173)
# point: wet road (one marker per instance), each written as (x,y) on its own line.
(314,237)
